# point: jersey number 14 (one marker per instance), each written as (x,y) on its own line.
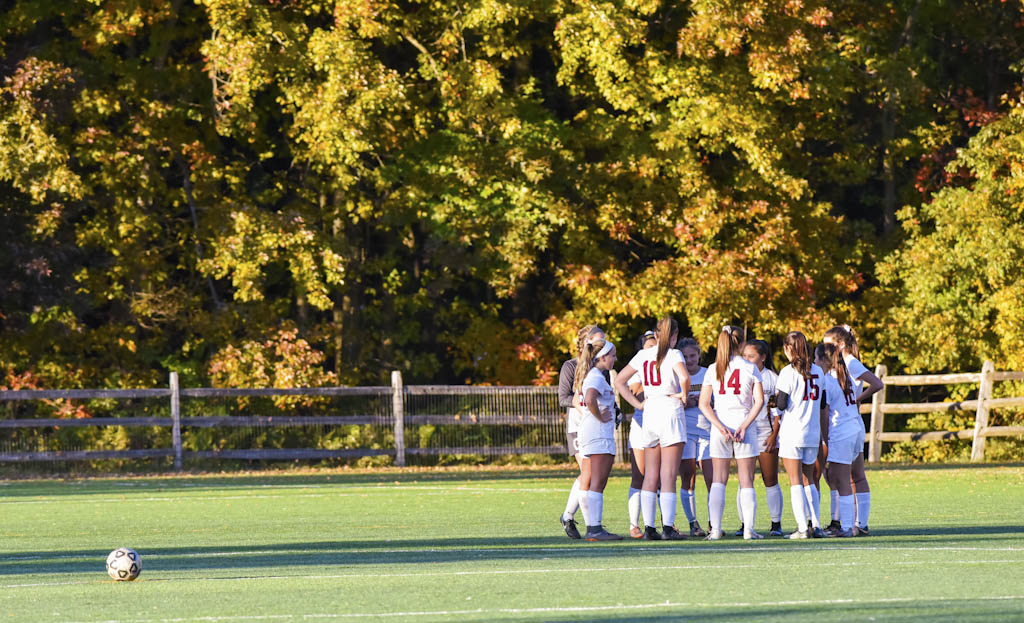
(734,383)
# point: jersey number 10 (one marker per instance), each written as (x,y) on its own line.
(652,373)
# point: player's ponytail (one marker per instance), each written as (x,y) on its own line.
(801,352)
(586,362)
(667,327)
(729,342)
(834,356)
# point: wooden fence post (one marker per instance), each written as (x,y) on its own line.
(877,419)
(398,407)
(176,421)
(981,415)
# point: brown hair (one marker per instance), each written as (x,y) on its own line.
(729,341)
(834,356)
(667,327)
(801,352)
(844,336)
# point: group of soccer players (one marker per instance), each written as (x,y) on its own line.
(739,409)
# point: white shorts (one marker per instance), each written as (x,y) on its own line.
(664,428)
(805,454)
(601,445)
(636,436)
(697,447)
(844,450)
(722,448)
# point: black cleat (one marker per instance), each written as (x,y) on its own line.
(861,531)
(818,533)
(570,528)
(598,533)
(651,534)
(696,530)
(835,526)
(739,532)
(776,529)
(669,533)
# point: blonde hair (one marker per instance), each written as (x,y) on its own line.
(667,327)
(586,362)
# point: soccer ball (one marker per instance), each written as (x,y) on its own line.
(124,564)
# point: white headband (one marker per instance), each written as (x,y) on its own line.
(607,348)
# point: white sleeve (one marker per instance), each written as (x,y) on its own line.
(856,368)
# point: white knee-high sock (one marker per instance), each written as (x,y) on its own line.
(716,505)
(796,497)
(774,495)
(863,508)
(584,506)
(573,503)
(813,500)
(689,509)
(748,509)
(648,503)
(633,504)
(834,503)
(668,508)
(846,512)
(595,508)
(739,504)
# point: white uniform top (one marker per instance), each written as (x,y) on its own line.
(844,419)
(768,382)
(638,414)
(856,369)
(734,393)
(659,382)
(800,425)
(696,424)
(590,426)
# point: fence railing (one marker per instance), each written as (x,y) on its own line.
(432,420)
(498,413)
(982,405)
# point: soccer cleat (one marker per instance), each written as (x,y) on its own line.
(835,525)
(598,533)
(669,533)
(799,534)
(715,535)
(651,534)
(569,525)
(635,532)
(830,531)
(776,529)
(751,536)
(818,533)
(739,531)
(845,534)
(696,530)
(861,531)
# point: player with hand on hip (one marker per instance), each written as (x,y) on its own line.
(845,439)
(665,381)
(698,437)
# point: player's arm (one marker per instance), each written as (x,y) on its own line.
(874,385)
(591,399)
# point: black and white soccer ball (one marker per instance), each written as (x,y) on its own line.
(124,564)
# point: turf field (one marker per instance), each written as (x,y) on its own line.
(947,545)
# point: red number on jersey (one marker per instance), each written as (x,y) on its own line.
(850,398)
(734,383)
(811,388)
(652,374)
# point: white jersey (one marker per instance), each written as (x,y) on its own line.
(638,414)
(659,382)
(590,426)
(768,382)
(843,417)
(734,392)
(800,424)
(856,369)
(696,424)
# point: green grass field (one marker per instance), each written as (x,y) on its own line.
(948,545)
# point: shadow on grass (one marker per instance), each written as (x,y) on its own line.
(357,555)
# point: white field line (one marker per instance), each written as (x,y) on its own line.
(506,572)
(550,610)
(576,552)
(342,492)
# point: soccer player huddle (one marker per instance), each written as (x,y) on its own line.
(739,409)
